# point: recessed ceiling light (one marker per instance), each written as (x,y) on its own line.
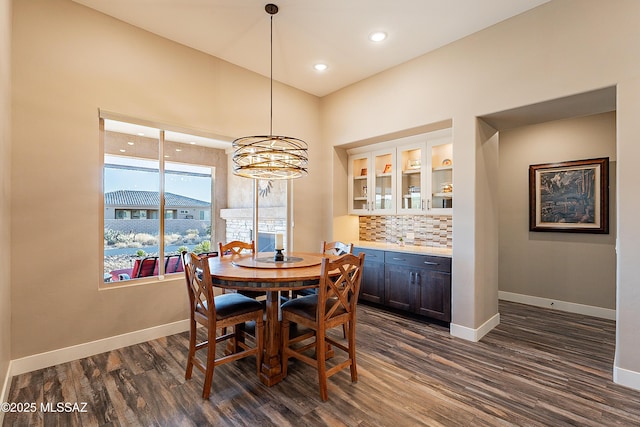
(320,67)
(130,143)
(178,149)
(378,36)
(122,150)
(140,133)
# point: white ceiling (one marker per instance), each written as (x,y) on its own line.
(309,31)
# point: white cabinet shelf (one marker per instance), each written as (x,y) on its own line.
(411,171)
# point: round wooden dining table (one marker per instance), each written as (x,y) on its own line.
(260,272)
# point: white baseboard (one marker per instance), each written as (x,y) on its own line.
(4,394)
(626,378)
(571,307)
(67,354)
(474,335)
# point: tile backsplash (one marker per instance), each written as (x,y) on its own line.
(428,230)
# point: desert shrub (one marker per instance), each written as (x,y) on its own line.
(192,236)
(146,239)
(125,237)
(121,245)
(110,236)
(115,237)
(172,239)
(204,246)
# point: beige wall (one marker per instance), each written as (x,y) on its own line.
(558,49)
(68,61)
(5,189)
(577,268)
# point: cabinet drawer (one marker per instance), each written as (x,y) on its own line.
(370,255)
(423,261)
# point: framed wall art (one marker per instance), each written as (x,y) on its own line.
(570,196)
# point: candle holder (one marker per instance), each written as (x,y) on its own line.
(278,256)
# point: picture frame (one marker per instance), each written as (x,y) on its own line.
(363,172)
(570,197)
(387,168)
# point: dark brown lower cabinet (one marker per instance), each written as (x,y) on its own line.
(419,284)
(400,290)
(435,295)
(372,283)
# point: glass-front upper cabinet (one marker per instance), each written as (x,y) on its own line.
(359,184)
(410,175)
(425,174)
(411,179)
(372,182)
(440,153)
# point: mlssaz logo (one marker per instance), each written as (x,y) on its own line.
(63,407)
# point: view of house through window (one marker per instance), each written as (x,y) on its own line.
(157,201)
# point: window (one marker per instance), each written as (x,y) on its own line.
(148,171)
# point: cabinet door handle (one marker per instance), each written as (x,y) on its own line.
(411,278)
(430,263)
(398,259)
(419,279)
(429,204)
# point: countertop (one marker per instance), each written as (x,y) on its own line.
(394,247)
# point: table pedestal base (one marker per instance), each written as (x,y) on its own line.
(271,372)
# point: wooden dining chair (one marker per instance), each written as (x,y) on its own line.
(336,248)
(238,247)
(218,312)
(326,248)
(334,305)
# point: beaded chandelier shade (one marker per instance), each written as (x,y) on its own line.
(270,156)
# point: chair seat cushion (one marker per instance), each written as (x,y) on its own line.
(305,292)
(307,306)
(228,305)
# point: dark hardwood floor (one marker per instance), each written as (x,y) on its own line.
(538,368)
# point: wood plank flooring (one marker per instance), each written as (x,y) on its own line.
(538,368)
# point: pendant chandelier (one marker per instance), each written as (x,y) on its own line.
(270,156)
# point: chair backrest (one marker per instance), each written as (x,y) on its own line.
(135,269)
(339,286)
(336,248)
(147,267)
(199,286)
(236,247)
(186,260)
(172,264)
(209,254)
